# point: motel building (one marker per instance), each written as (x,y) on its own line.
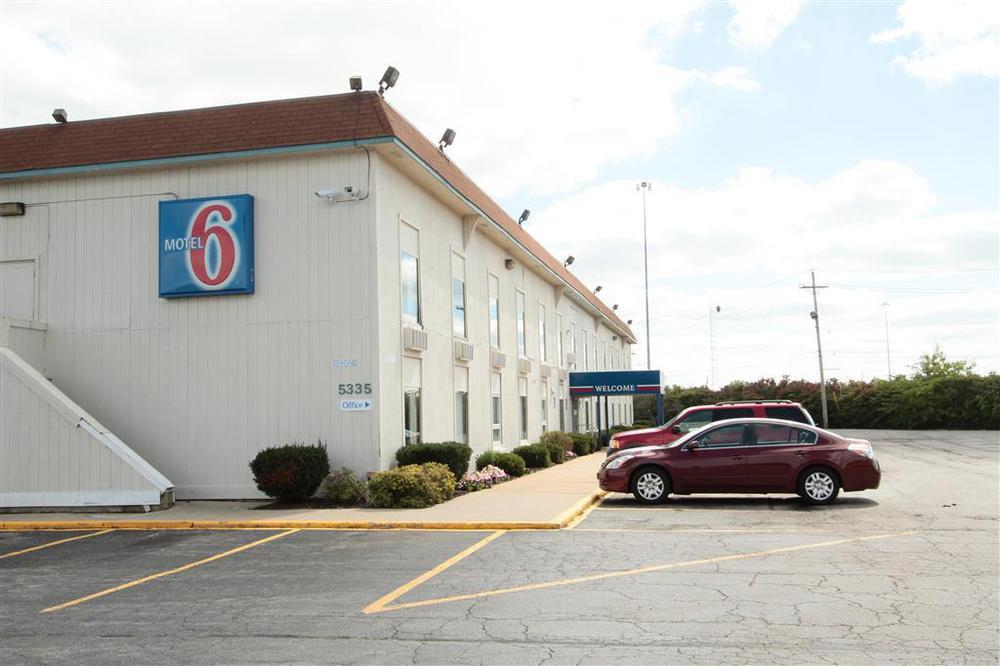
(181,290)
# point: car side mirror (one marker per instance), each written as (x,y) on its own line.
(694,444)
(677,429)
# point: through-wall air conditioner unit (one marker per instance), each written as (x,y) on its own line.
(544,371)
(497,358)
(414,339)
(463,351)
(570,358)
(524,365)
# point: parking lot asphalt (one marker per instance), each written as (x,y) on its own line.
(905,574)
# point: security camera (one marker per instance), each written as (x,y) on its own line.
(346,193)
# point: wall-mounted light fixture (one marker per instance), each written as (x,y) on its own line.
(614,307)
(629,322)
(388,80)
(569,260)
(11,209)
(508,264)
(525,214)
(356,83)
(446,139)
(598,288)
(60,115)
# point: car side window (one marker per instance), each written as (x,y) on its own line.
(767,434)
(731,435)
(724,413)
(695,420)
(786,414)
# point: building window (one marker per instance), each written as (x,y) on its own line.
(542,355)
(586,353)
(494,296)
(409,273)
(522,391)
(458,296)
(522,347)
(572,337)
(462,405)
(411,400)
(496,411)
(544,407)
(562,406)
(560,359)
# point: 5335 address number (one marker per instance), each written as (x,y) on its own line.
(354,389)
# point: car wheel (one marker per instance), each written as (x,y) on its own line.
(818,485)
(651,485)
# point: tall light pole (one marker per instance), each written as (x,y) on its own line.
(888,358)
(644,187)
(819,346)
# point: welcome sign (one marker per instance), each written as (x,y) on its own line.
(206,246)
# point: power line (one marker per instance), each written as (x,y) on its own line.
(912,290)
(905,271)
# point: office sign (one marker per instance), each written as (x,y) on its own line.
(206,246)
(617,382)
(355,405)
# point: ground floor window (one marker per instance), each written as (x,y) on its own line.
(462,405)
(562,412)
(545,407)
(411,400)
(496,412)
(522,391)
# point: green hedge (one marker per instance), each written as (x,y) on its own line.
(344,488)
(534,455)
(938,394)
(453,454)
(412,486)
(291,472)
(583,443)
(558,437)
(557,454)
(511,463)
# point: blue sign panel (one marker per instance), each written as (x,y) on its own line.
(618,382)
(206,246)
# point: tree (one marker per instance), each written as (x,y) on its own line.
(935,365)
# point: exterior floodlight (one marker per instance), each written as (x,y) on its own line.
(569,260)
(446,139)
(60,115)
(614,307)
(11,209)
(356,83)
(629,322)
(388,80)
(508,264)
(599,287)
(525,214)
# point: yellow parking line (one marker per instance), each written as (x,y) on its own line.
(381,603)
(170,572)
(53,543)
(630,572)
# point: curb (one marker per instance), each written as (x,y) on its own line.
(559,522)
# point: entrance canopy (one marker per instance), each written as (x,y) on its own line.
(617,382)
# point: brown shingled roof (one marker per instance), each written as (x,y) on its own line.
(260,125)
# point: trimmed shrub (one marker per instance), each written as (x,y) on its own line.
(511,463)
(583,443)
(557,437)
(290,472)
(620,428)
(534,455)
(639,425)
(412,486)
(452,454)
(557,454)
(344,488)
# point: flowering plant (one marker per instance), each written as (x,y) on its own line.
(484,478)
(569,455)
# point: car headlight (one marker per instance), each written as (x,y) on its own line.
(864,449)
(619,461)
(614,444)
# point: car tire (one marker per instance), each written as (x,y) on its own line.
(651,485)
(818,486)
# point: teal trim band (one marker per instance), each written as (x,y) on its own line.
(184,159)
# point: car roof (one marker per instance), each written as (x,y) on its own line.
(753,420)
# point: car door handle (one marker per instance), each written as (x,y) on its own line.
(802,453)
(737,457)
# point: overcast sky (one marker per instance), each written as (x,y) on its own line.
(859,139)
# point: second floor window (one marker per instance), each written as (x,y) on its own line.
(522,347)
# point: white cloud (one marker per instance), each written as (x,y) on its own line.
(717,246)
(564,89)
(954,39)
(734,77)
(757,23)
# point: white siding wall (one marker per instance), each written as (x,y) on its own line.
(198,385)
(442,232)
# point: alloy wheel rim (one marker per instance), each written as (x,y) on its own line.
(819,486)
(650,486)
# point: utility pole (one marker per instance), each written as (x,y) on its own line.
(713,366)
(643,187)
(888,358)
(819,346)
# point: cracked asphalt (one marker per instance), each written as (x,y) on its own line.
(749,581)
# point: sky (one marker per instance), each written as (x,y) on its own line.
(858,140)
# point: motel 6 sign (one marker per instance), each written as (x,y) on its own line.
(206,246)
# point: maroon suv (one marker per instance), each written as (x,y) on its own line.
(693,418)
(746,456)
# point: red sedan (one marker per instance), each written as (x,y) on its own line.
(746,456)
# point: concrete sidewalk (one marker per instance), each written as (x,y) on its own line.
(549,499)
